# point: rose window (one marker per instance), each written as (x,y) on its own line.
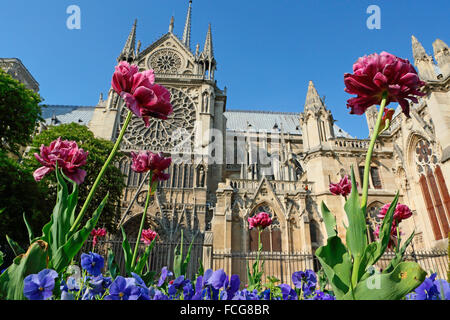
(165,61)
(424,156)
(162,135)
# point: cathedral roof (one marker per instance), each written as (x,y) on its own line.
(237,120)
(243,120)
(61,114)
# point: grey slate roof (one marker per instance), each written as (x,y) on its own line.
(67,114)
(243,120)
(237,120)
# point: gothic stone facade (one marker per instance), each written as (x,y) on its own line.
(213,190)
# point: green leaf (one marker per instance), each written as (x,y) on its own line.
(337,265)
(399,255)
(375,250)
(32,262)
(1,258)
(330,221)
(148,278)
(356,232)
(113,268)
(69,250)
(29,229)
(15,247)
(128,255)
(63,213)
(201,270)
(144,258)
(406,277)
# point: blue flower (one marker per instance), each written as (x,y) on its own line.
(40,286)
(123,289)
(164,274)
(306,281)
(246,295)
(145,292)
(319,295)
(431,289)
(160,296)
(287,292)
(96,287)
(231,287)
(69,288)
(92,263)
(218,279)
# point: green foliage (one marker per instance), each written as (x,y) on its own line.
(32,262)
(392,286)
(99,150)
(15,247)
(347,267)
(142,261)
(180,265)
(19,195)
(113,268)
(19,113)
(1,258)
(275,290)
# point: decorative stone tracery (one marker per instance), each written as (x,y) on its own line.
(162,135)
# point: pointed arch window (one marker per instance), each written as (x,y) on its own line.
(270,237)
(434,189)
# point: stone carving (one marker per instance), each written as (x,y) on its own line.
(165,61)
(162,135)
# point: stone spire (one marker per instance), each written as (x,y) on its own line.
(208,48)
(419,52)
(187,27)
(172,23)
(207,56)
(442,56)
(423,61)
(313,99)
(128,53)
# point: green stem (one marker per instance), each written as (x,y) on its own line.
(100,175)
(373,140)
(141,227)
(259,249)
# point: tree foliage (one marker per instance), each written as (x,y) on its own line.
(19,194)
(99,150)
(19,113)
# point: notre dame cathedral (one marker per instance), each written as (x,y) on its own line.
(229,165)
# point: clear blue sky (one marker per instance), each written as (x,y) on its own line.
(267,51)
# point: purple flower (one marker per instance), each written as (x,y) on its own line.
(319,295)
(160,296)
(164,274)
(306,281)
(287,292)
(123,289)
(96,286)
(431,289)
(92,263)
(246,295)
(217,279)
(145,292)
(40,286)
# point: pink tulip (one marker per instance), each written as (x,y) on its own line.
(379,73)
(138,89)
(402,212)
(147,161)
(393,236)
(148,236)
(101,232)
(342,188)
(68,157)
(262,220)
